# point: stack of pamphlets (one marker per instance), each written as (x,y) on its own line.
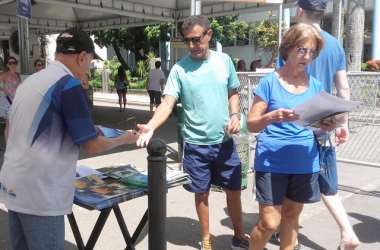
(120,170)
(84,171)
(92,191)
(173,178)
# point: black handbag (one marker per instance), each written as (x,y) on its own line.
(328,172)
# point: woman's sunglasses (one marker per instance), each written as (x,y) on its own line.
(196,39)
(39,65)
(302,51)
(12,63)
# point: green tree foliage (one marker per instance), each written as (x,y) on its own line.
(147,38)
(95,76)
(141,68)
(265,36)
(134,39)
(225,30)
(158,33)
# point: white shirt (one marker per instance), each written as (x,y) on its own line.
(155,76)
(50,118)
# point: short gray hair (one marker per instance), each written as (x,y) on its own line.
(195,20)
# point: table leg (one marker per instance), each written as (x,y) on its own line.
(123,228)
(75,229)
(98,228)
(140,227)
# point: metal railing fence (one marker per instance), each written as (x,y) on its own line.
(364,121)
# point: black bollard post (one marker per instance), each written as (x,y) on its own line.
(157,194)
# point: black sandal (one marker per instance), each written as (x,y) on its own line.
(275,239)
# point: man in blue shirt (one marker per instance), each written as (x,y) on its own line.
(329,67)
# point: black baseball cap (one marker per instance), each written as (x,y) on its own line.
(311,5)
(75,41)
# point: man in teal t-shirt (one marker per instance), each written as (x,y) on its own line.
(205,81)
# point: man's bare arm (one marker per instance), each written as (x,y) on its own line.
(343,90)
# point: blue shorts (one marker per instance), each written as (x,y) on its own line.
(272,188)
(217,164)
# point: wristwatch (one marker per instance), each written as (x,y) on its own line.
(237,114)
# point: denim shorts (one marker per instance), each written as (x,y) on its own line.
(36,232)
(121,91)
(272,188)
(217,164)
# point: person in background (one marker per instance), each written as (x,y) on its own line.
(206,83)
(85,83)
(50,120)
(241,66)
(254,65)
(329,68)
(12,81)
(86,87)
(155,86)
(286,158)
(121,83)
(38,65)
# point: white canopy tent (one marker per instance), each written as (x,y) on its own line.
(53,16)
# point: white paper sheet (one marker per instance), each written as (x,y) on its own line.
(84,171)
(320,106)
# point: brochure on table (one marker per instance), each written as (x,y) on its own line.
(83,170)
(320,107)
(94,192)
(110,132)
(128,183)
(120,170)
(173,178)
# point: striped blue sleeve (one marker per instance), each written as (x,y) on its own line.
(76,113)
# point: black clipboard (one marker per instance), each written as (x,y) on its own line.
(336,115)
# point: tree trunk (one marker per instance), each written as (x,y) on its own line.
(138,56)
(119,56)
(354,34)
(44,42)
(335,21)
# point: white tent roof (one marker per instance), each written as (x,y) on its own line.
(53,16)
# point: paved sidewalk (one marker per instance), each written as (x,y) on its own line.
(359,190)
(132,99)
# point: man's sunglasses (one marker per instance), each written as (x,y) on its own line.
(126,120)
(302,51)
(196,39)
(12,63)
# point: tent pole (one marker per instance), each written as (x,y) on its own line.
(279,25)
